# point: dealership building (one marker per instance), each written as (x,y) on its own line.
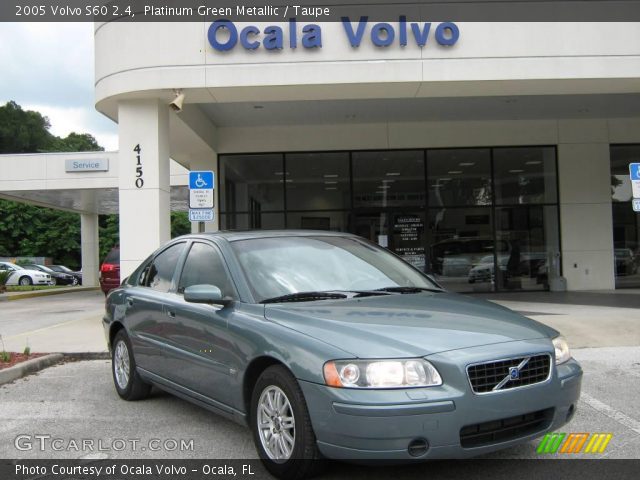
(494,156)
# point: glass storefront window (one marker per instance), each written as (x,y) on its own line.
(388,178)
(478,219)
(250,183)
(529,257)
(460,244)
(247,221)
(336,221)
(525,175)
(626,226)
(318,181)
(458,177)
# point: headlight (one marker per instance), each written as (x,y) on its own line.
(562,350)
(404,373)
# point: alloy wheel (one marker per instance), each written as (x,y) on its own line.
(276,424)
(121,365)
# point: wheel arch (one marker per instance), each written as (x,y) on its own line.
(251,375)
(113,331)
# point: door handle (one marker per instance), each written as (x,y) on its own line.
(130,301)
(171,314)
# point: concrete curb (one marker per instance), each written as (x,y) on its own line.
(43,293)
(30,366)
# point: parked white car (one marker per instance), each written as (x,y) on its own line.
(22,276)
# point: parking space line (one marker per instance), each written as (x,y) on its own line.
(38,330)
(617,415)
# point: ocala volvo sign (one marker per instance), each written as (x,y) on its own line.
(224,35)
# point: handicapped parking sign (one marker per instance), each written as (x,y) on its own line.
(634,175)
(200,180)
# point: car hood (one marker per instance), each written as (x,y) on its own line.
(406,325)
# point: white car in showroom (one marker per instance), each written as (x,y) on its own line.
(22,276)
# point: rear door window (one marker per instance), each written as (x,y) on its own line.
(162,268)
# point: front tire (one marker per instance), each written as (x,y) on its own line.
(25,281)
(281,426)
(53,282)
(128,383)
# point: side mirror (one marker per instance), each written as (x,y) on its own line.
(205,294)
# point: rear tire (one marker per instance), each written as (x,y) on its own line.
(126,379)
(281,426)
(25,281)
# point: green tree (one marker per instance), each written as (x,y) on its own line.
(180,224)
(76,142)
(23,131)
(27,230)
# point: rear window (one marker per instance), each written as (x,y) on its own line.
(113,256)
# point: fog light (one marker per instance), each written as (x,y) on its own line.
(418,447)
(570,412)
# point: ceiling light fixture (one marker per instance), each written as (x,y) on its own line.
(454,172)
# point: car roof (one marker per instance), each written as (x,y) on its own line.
(232,236)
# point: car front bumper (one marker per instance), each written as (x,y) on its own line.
(362,425)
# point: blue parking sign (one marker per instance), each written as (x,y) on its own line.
(202,180)
(634,171)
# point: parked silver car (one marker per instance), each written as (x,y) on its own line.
(23,276)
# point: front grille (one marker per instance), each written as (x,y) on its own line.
(495,376)
(506,429)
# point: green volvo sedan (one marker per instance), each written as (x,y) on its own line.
(328,346)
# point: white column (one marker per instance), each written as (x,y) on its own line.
(210,163)
(585,205)
(89,246)
(144,190)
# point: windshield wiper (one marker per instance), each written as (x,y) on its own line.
(408,289)
(305,297)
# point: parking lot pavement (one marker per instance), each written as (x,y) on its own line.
(71,322)
(76,401)
(583,325)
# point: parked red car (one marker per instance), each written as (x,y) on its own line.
(110,271)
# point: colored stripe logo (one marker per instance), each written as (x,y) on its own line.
(574,443)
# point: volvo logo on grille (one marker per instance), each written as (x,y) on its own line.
(514,374)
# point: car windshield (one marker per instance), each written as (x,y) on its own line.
(286,265)
(43,268)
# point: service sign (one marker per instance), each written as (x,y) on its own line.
(86,165)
